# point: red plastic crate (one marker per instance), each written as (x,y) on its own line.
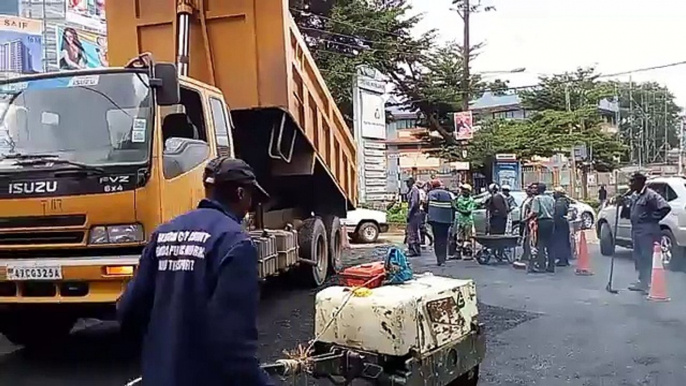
(358,275)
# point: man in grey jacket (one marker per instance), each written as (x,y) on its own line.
(647,209)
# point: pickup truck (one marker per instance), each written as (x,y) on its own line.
(365,225)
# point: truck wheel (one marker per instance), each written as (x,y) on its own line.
(368,232)
(607,246)
(314,246)
(470,378)
(34,330)
(334,231)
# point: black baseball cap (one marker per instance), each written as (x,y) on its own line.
(638,176)
(226,170)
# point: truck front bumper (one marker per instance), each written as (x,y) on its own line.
(91,279)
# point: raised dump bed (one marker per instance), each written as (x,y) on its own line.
(287,125)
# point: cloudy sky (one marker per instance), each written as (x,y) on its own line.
(549,36)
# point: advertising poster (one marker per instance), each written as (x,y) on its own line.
(507,173)
(21,51)
(87,13)
(464,129)
(78,49)
(373,115)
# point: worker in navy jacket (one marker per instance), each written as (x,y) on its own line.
(441,216)
(195,294)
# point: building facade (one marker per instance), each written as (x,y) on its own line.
(509,106)
(15,57)
(407,153)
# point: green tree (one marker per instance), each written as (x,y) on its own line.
(345,34)
(568,115)
(427,77)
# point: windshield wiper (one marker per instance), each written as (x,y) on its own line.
(21,156)
(35,160)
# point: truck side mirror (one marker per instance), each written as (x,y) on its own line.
(167,91)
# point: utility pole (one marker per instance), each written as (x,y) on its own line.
(681,145)
(572,174)
(466,53)
(631,121)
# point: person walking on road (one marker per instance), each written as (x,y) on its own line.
(647,209)
(195,294)
(464,220)
(511,205)
(424,233)
(561,245)
(414,219)
(542,210)
(524,226)
(497,211)
(440,215)
(602,197)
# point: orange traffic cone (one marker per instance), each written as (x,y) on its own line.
(658,286)
(583,265)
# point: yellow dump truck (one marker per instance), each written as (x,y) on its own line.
(92,161)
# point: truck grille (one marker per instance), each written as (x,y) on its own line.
(29,238)
(42,221)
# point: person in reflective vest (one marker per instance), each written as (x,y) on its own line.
(464,219)
(441,214)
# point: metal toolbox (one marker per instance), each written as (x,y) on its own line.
(266,252)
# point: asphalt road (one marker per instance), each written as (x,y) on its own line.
(545,329)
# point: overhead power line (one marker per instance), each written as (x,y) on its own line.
(349,24)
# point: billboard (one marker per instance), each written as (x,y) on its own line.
(87,13)
(464,128)
(373,115)
(21,51)
(78,49)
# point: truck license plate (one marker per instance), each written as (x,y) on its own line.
(34,273)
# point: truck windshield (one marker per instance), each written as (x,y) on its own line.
(97,119)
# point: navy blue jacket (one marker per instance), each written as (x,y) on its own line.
(648,208)
(440,206)
(194,298)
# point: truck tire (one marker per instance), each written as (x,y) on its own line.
(607,243)
(367,232)
(334,232)
(314,246)
(35,330)
(470,378)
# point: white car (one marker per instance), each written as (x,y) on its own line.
(365,225)
(673,239)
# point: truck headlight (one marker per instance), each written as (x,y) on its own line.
(116,234)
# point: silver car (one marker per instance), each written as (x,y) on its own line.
(673,240)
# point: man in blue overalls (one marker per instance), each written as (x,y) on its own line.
(647,209)
(195,294)
(440,215)
(414,219)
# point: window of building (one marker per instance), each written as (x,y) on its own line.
(406,124)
